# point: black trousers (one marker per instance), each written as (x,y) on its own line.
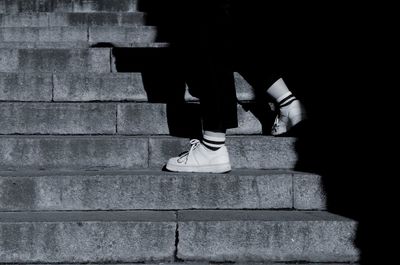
(214,38)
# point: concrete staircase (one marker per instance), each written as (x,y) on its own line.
(82,147)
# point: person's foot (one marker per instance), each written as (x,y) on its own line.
(289,116)
(201,159)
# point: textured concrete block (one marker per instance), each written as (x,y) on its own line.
(45,45)
(24,20)
(96,19)
(308,191)
(25,87)
(244,90)
(145,34)
(105,6)
(266,236)
(142,118)
(87,237)
(148,118)
(40,191)
(73,152)
(57,118)
(8,60)
(119,87)
(257,152)
(43,34)
(104,87)
(55,60)
(15,6)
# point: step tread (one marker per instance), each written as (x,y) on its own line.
(79,45)
(144,172)
(258,216)
(88,216)
(173,216)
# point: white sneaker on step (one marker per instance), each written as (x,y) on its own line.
(201,159)
(288,117)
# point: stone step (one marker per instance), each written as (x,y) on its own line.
(89,87)
(78,45)
(204,236)
(266,236)
(55,60)
(134,152)
(210,263)
(17,6)
(110,118)
(81,237)
(71,19)
(93,34)
(157,190)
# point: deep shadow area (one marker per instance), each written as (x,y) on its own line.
(315,46)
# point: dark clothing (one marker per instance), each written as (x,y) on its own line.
(214,38)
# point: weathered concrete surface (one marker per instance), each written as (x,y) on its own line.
(43,34)
(57,118)
(71,19)
(24,20)
(144,34)
(308,191)
(25,87)
(16,6)
(104,87)
(257,152)
(116,86)
(266,236)
(45,45)
(76,45)
(55,60)
(36,191)
(44,152)
(145,118)
(87,237)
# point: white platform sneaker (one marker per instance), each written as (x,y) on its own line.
(288,117)
(201,159)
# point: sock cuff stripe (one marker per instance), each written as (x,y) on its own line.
(287,103)
(283,101)
(284,95)
(211,147)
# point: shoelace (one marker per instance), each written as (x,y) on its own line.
(276,123)
(194,144)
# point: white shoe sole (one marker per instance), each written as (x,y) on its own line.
(220,168)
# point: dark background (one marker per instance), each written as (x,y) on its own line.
(336,58)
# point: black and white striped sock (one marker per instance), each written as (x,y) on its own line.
(213,141)
(285,100)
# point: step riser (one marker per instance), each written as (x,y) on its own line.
(79,242)
(16,6)
(71,19)
(102,118)
(267,241)
(86,87)
(47,60)
(152,191)
(48,118)
(134,152)
(26,87)
(79,35)
(205,236)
